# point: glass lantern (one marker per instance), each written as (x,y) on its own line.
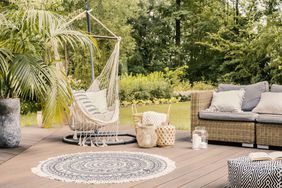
(200,138)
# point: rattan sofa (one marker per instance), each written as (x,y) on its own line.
(268,134)
(225,131)
(247,133)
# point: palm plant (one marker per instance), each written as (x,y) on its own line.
(31,42)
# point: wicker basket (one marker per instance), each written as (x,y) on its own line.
(137,117)
(166,135)
(146,136)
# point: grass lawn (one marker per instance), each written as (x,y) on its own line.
(179,115)
(28,120)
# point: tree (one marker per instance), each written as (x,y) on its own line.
(251,45)
(154,33)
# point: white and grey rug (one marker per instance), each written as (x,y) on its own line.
(104,167)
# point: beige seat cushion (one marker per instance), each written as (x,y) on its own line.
(269,118)
(229,116)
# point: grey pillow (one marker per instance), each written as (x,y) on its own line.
(252,93)
(276,88)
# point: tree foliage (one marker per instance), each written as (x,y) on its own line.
(221,41)
(250,43)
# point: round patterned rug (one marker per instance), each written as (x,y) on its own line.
(104,167)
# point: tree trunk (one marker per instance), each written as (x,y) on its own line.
(177,26)
(236,11)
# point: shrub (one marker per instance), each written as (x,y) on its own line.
(141,87)
(200,85)
(150,102)
(182,86)
(30,106)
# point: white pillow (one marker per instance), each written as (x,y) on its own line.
(155,118)
(99,99)
(81,98)
(227,101)
(270,103)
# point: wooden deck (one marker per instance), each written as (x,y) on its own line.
(203,168)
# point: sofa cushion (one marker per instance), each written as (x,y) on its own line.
(269,118)
(252,93)
(221,101)
(270,103)
(228,116)
(276,88)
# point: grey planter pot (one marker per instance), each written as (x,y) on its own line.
(10,129)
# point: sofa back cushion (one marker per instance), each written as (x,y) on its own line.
(276,88)
(252,93)
(270,103)
(227,101)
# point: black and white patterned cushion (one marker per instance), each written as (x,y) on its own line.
(83,99)
(244,173)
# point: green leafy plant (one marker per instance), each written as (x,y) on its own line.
(151,102)
(32,44)
(141,87)
(200,85)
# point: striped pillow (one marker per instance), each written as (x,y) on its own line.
(81,97)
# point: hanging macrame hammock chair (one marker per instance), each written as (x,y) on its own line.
(95,112)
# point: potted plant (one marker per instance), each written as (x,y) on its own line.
(32,40)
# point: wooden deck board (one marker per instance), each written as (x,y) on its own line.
(203,168)
(30,136)
(220,182)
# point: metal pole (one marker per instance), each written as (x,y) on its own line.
(89,32)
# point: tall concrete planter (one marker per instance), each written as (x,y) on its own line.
(10,130)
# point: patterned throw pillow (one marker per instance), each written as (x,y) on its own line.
(81,97)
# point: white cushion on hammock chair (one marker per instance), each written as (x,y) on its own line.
(81,97)
(99,99)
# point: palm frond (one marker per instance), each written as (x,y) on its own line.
(4,23)
(29,76)
(75,39)
(5,56)
(39,4)
(58,99)
(42,19)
